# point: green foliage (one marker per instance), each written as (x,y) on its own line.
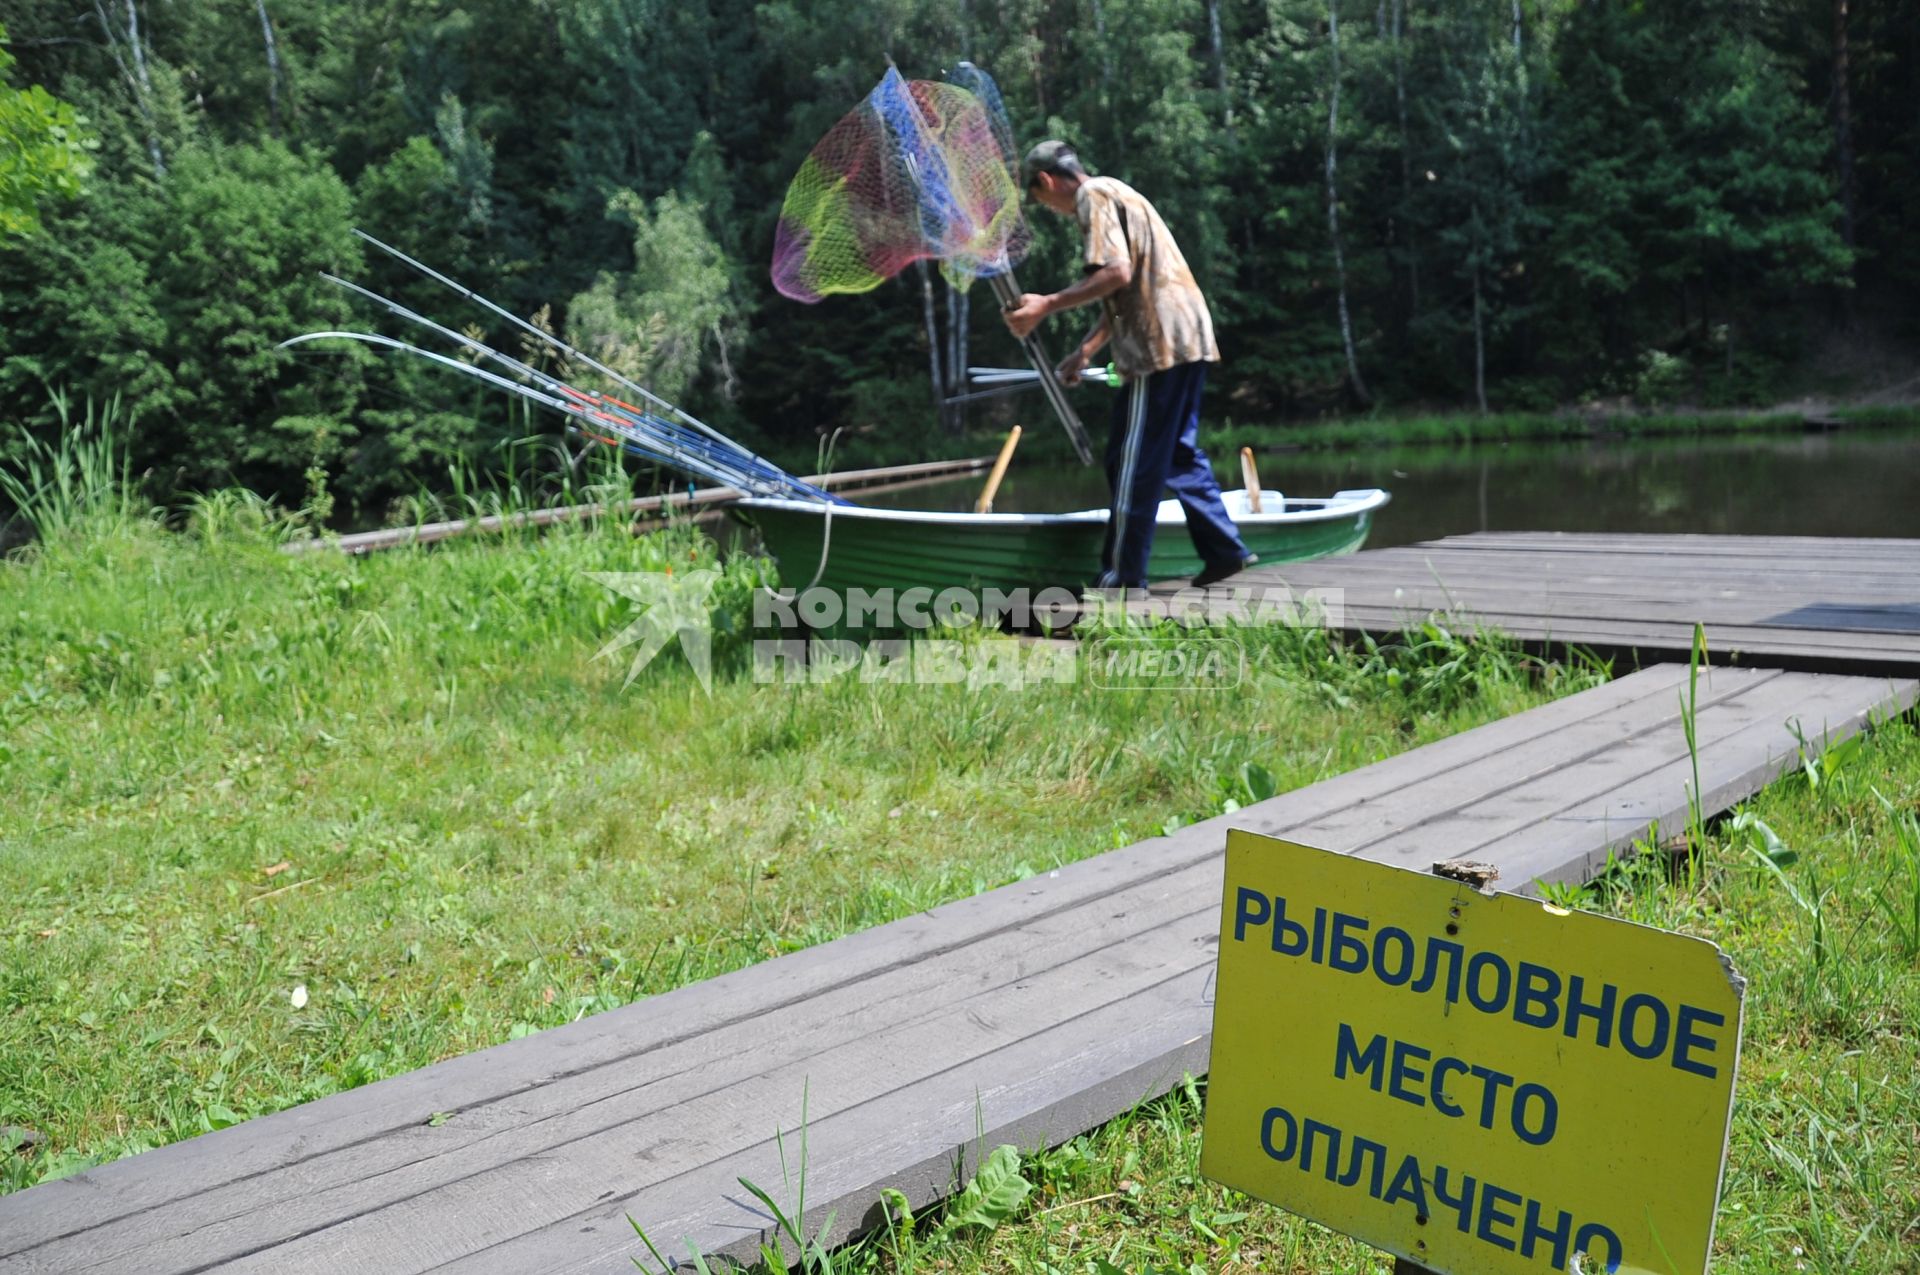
(79,483)
(1899,895)
(1689,211)
(43,151)
(995,1194)
(653,323)
(175,297)
(1588,199)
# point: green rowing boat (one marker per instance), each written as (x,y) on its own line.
(846,547)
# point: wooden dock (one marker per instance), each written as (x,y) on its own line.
(1796,602)
(644,511)
(1026,1015)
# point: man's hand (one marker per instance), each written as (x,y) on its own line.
(1022,319)
(1071,367)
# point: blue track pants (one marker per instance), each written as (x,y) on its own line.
(1152,445)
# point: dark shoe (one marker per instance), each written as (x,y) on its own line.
(1215,574)
(1115,595)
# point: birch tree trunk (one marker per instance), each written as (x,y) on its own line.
(139,55)
(273,68)
(933,340)
(1106,60)
(956,356)
(1219,63)
(1406,159)
(1843,133)
(133,69)
(1333,204)
(1479,346)
(960,358)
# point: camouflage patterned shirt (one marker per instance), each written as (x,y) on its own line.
(1159,320)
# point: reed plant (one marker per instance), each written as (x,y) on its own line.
(79,481)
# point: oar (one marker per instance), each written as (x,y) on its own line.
(1250,477)
(984,505)
(1007,292)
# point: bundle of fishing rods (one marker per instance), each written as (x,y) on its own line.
(996,382)
(650,428)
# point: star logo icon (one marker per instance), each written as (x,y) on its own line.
(670,606)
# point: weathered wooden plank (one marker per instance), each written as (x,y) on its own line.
(1598,573)
(1397,785)
(1574,844)
(1842,617)
(1552,764)
(179,1188)
(1674,543)
(1801,601)
(1038,1092)
(539,1182)
(1468,599)
(1709,545)
(1822,621)
(1651,567)
(1391,619)
(1593,573)
(1708,595)
(1653,555)
(642,507)
(1704,542)
(1738,738)
(1748,624)
(1201,918)
(1652,636)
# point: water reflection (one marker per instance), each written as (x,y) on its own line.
(1860,482)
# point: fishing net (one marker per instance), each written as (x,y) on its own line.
(919,170)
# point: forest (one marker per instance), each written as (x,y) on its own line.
(1482,205)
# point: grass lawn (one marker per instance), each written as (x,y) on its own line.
(272,826)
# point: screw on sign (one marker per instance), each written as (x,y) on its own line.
(1473,1082)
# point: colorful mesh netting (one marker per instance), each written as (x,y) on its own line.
(919,170)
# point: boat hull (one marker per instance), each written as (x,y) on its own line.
(848,547)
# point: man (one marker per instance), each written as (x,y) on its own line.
(1162,338)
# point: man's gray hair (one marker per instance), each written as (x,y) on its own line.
(1053,156)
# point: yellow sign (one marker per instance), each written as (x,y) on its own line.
(1478,1083)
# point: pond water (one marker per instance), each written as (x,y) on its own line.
(1853,482)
